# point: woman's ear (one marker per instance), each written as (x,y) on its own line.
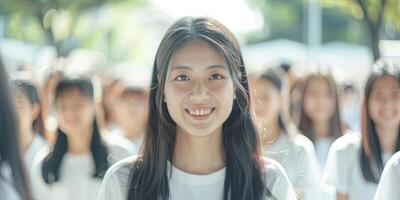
(35,111)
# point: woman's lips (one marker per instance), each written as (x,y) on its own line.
(200,113)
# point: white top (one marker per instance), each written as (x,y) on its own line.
(388,187)
(322,148)
(116,137)
(38,143)
(76,176)
(185,186)
(7,190)
(297,156)
(343,169)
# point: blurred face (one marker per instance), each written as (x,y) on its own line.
(199,91)
(75,111)
(131,110)
(384,102)
(25,110)
(267,101)
(319,102)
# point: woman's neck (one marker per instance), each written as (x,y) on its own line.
(26,138)
(80,141)
(321,129)
(387,138)
(132,133)
(198,154)
(272,133)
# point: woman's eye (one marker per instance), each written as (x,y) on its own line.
(182,78)
(216,77)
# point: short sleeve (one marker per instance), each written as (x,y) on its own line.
(388,187)
(308,173)
(341,157)
(39,188)
(277,181)
(116,181)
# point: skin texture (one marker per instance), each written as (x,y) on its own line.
(198,79)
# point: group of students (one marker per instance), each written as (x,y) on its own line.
(212,132)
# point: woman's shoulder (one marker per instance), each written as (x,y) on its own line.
(348,143)
(277,181)
(119,147)
(116,181)
(121,168)
(302,143)
(273,170)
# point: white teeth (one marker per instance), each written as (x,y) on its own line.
(199,112)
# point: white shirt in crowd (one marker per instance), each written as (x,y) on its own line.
(116,137)
(7,189)
(76,181)
(185,186)
(38,143)
(297,156)
(388,187)
(322,147)
(343,169)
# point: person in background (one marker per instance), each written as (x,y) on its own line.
(280,138)
(319,113)
(74,167)
(130,114)
(30,120)
(14,184)
(355,163)
(351,107)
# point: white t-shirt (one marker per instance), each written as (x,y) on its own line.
(322,149)
(38,143)
(297,156)
(185,186)
(388,187)
(343,169)
(7,189)
(116,137)
(75,180)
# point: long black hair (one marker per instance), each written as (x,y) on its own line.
(30,91)
(9,147)
(52,162)
(244,177)
(305,123)
(371,151)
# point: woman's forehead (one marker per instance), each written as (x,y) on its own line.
(196,54)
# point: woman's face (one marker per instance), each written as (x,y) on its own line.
(199,91)
(384,102)
(267,101)
(75,111)
(319,102)
(131,111)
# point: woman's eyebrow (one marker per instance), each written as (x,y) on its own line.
(217,67)
(183,67)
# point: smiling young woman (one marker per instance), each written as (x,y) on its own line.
(200,141)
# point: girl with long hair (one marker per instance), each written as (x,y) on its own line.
(74,167)
(200,141)
(319,118)
(355,163)
(30,120)
(280,138)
